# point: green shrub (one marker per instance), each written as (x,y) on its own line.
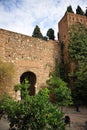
(33,112)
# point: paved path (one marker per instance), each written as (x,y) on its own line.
(4,125)
(78,119)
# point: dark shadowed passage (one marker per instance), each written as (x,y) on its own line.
(31,77)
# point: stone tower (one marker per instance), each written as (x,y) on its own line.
(64,24)
(64,30)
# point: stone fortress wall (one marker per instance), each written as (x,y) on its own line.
(28,54)
(34,55)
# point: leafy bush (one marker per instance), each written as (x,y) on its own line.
(33,112)
(61,94)
(78,55)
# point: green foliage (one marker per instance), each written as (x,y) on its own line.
(78,53)
(63,71)
(61,94)
(44,38)
(69,9)
(62,65)
(78,42)
(6,73)
(17,87)
(33,112)
(25,89)
(79,10)
(50,34)
(57,69)
(37,33)
(79,91)
(86,12)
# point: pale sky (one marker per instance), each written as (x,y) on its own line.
(22,16)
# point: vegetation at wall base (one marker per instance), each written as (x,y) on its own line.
(33,112)
(6,73)
(60,94)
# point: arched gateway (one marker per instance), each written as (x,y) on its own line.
(31,77)
(32,58)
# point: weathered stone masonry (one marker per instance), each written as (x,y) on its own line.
(36,56)
(64,29)
(28,54)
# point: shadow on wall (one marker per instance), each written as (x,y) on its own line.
(31,77)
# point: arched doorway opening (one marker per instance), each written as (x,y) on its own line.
(31,77)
